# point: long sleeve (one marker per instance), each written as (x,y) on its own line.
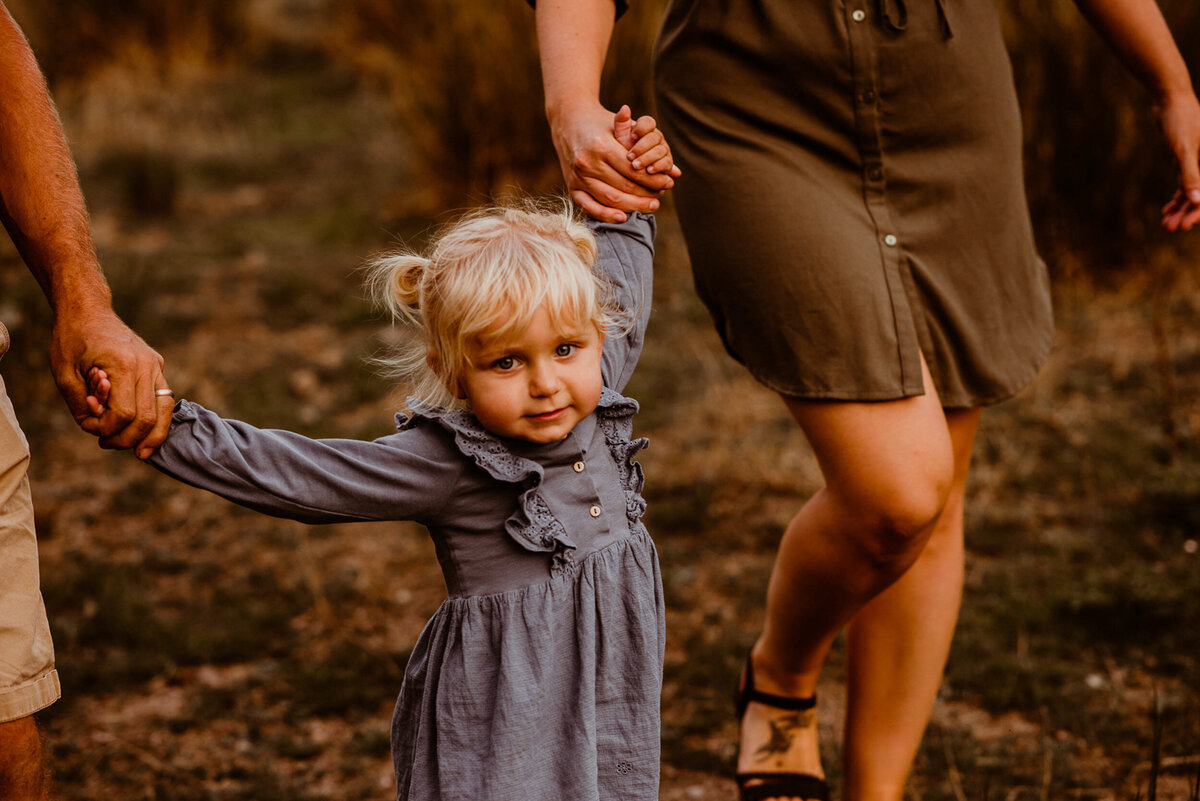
(626,259)
(405,476)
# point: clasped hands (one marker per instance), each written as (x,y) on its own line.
(108,377)
(612,163)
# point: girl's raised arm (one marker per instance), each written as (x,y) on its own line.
(1139,34)
(625,256)
(573,37)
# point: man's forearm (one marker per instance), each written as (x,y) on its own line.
(41,204)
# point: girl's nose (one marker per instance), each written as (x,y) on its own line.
(543,380)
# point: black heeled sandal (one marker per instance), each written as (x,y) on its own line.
(775,785)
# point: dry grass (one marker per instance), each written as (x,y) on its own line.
(467,87)
(210,653)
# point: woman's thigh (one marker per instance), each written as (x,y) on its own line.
(894,460)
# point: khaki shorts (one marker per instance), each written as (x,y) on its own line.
(28,680)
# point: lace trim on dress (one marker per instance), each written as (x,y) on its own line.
(616,421)
(533,526)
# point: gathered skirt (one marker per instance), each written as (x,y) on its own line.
(542,693)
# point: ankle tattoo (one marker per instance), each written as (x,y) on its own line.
(783,733)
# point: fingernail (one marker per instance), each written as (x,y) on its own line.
(1194,195)
(653,205)
(637,165)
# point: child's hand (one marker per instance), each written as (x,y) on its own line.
(652,152)
(623,126)
(98,387)
(647,147)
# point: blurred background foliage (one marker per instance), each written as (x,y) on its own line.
(239,158)
(76,38)
(464,79)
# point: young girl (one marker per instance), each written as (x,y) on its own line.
(539,677)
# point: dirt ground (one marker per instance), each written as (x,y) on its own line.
(210,653)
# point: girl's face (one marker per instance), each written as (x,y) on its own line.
(535,385)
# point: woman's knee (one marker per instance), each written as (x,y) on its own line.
(889,468)
(896,517)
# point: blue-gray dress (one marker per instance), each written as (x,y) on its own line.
(539,677)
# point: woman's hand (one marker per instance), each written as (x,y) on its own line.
(1179,117)
(600,172)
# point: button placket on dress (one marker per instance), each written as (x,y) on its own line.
(594,510)
(867,102)
(581,498)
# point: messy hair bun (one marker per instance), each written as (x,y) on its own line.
(395,284)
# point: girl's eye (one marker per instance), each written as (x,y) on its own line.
(564,350)
(505,363)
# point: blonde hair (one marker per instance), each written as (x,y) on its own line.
(486,275)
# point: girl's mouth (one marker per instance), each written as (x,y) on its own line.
(546,417)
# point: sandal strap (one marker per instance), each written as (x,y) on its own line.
(781,785)
(749,694)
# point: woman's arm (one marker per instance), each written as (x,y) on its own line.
(573,36)
(1138,33)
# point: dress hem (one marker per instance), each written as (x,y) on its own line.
(999,396)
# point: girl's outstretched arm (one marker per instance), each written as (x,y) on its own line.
(405,476)
(1139,34)
(573,37)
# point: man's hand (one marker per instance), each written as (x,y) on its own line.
(132,415)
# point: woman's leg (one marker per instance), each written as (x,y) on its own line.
(898,644)
(889,469)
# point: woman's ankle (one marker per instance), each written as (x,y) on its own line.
(778,677)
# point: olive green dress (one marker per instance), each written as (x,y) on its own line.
(852,194)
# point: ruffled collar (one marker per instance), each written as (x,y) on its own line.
(533,526)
